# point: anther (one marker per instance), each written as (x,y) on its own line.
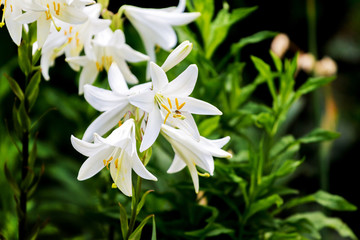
(57,11)
(169,103)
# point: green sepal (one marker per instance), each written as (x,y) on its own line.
(13,184)
(23,58)
(123,221)
(136,235)
(15,87)
(142,201)
(277,61)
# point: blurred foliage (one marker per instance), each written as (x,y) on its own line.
(268,190)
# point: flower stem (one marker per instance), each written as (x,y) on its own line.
(136,195)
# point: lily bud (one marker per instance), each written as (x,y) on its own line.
(177,55)
(306,62)
(325,67)
(280,44)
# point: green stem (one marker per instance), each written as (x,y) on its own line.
(311,17)
(23,192)
(136,195)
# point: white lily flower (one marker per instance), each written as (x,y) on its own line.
(176,56)
(192,153)
(11,10)
(71,39)
(107,47)
(169,102)
(155,25)
(118,150)
(45,11)
(114,104)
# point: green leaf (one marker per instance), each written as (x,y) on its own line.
(206,8)
(319,135)
(32,89)
(136,235)
(265,71)
(24,118)
(255,38)
(264,204)
(333,202)
(142,201)
(23,58)
(313,83)
(277,61)
(220,27)
(209,125)
(13,184)
(153,235)
(15,87)
(123,221)
(16,122)
(320,221)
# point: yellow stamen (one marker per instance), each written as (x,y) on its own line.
(69,39)
(203,174)
(120,123)
(70,29)
(116,163)
(167,115)
(166,108)
(113,185)
(57,11)
(11,8)
(177,103)
(3,16)
(180,107)
(169,103)
(65,32)
(48,14)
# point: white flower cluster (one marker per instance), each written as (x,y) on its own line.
(138,114)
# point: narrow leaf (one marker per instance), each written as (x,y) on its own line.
(15,87)
(277,61)
(153,235)
(313,83)
(123,221)
(264,204)
(255,38)
(32,89)
(142,201)
(136,235)
(319,135)
(23,58)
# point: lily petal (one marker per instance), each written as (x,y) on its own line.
(184,84)
(85,148)
(116,80)
(87,76)
(144,101)
(102,99)
(140,169)
(93,164)
(152,129)
(122,175)
(158,77)
(177,165)
(196,106)
(105,122)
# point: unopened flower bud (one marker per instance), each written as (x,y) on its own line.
(306,62)
(280,44)
(177,55)
(325,67)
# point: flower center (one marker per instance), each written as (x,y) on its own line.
(105,62)
(167,105)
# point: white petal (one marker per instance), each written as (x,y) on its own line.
(188,125)
(194,176)
(102,99)
(219,142)
(144,100)
(140,169)
(125,70)
(132,55)
(196,106)
(28,17)
(43,29)
(120,137)
(158,77)
(87,76)
(177,165)
(85,148)
(94,164)
(116,80)
(117,39)
(71,15)
(104,122)
(152,129)
(122,175)
(15,29)
(184,84)
(81,60)
(45,63)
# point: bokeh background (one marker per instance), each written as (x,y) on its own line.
(76,210)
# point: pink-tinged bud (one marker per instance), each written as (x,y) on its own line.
(325,67)
(280,44)
(306,62)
